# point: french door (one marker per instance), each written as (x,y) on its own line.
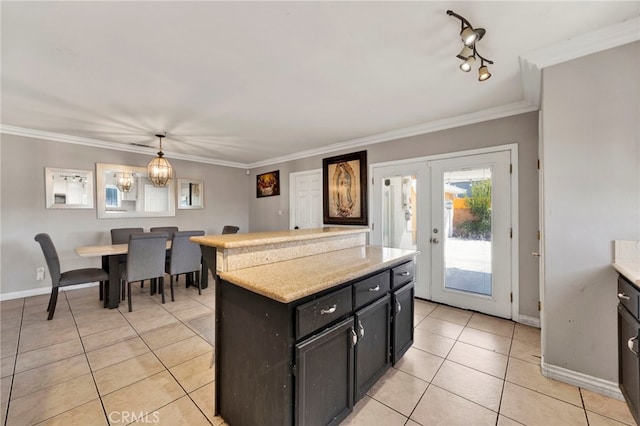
(456,211)
(471,232)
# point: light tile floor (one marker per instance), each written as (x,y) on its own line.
(94,366)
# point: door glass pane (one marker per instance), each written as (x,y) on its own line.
(467,230)
(399,212)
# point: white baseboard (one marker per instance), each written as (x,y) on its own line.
(527,320)
(41,290)
(594,384)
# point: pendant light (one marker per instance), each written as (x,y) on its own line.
(159,170)
(124,181)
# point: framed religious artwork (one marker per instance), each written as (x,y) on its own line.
(268,184)
(344,189)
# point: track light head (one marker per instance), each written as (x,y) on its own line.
(470,36)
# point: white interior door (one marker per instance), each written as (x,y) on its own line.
(399,211)
(305,202)
(471,232)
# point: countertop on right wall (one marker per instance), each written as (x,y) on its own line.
(626,259)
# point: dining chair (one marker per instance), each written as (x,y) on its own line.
(146,259)
(71,277)
(185,258)
(169,230)
(230,229)
(121,236)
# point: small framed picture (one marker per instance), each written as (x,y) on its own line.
(268,184)
(344,189)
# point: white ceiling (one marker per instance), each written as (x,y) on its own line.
(250,83)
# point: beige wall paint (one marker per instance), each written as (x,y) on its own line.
(591,142)
(24,215)
(521,129)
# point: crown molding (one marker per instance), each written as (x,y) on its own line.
(58,137)
(431,127)
(532,63)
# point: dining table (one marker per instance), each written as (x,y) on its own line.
(110,254)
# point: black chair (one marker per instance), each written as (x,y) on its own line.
(185,258)
(230,229)
(146,259)
(72,277)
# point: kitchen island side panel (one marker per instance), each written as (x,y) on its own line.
(253,352)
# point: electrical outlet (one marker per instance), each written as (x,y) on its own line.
(40,274)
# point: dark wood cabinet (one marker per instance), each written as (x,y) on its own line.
(628,345)
(324,385)
(403,310)
(308,362)
(373,329)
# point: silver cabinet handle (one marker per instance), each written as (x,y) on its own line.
(354,337)
(398,307)
(405,274)
(623,296)
(329,311)
(360,329)
(630,344)
(373,289)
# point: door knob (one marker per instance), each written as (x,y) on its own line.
(435,240)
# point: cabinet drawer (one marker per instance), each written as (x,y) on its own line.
(628,296)
(319,312)
(370,289)
(400,275)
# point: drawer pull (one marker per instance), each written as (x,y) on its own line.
(373,289)
(623,296)
(360,329)
(329,311)
(405,274)
(354,337)
(398,307)
(630,344)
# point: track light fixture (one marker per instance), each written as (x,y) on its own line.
(469,52)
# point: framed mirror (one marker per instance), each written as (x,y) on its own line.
(190,194)
(68,188)
(126,192)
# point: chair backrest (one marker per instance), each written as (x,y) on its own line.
(146,256)
(121,235)
(168,229)
(185,254)
(229,229)
(51,256)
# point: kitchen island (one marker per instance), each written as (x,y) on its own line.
(299,340)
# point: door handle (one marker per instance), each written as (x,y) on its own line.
(360,329)
(434,240)
(374,289)
(354,337)
(630,344)
(535,253)
(398,307)
(623,296)
(328,311)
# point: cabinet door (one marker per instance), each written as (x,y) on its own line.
(373,327)
(403,307)
(628,361)
(324,379)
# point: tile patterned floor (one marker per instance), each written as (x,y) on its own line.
(94,366)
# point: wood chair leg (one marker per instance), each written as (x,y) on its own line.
(161,285)
(173,299)
(129,295)
(52,302)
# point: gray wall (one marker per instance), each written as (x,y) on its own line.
(521,129)
(591,186)
(24,215)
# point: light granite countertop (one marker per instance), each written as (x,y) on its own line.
(627,260)
(294,279)
(275,237)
